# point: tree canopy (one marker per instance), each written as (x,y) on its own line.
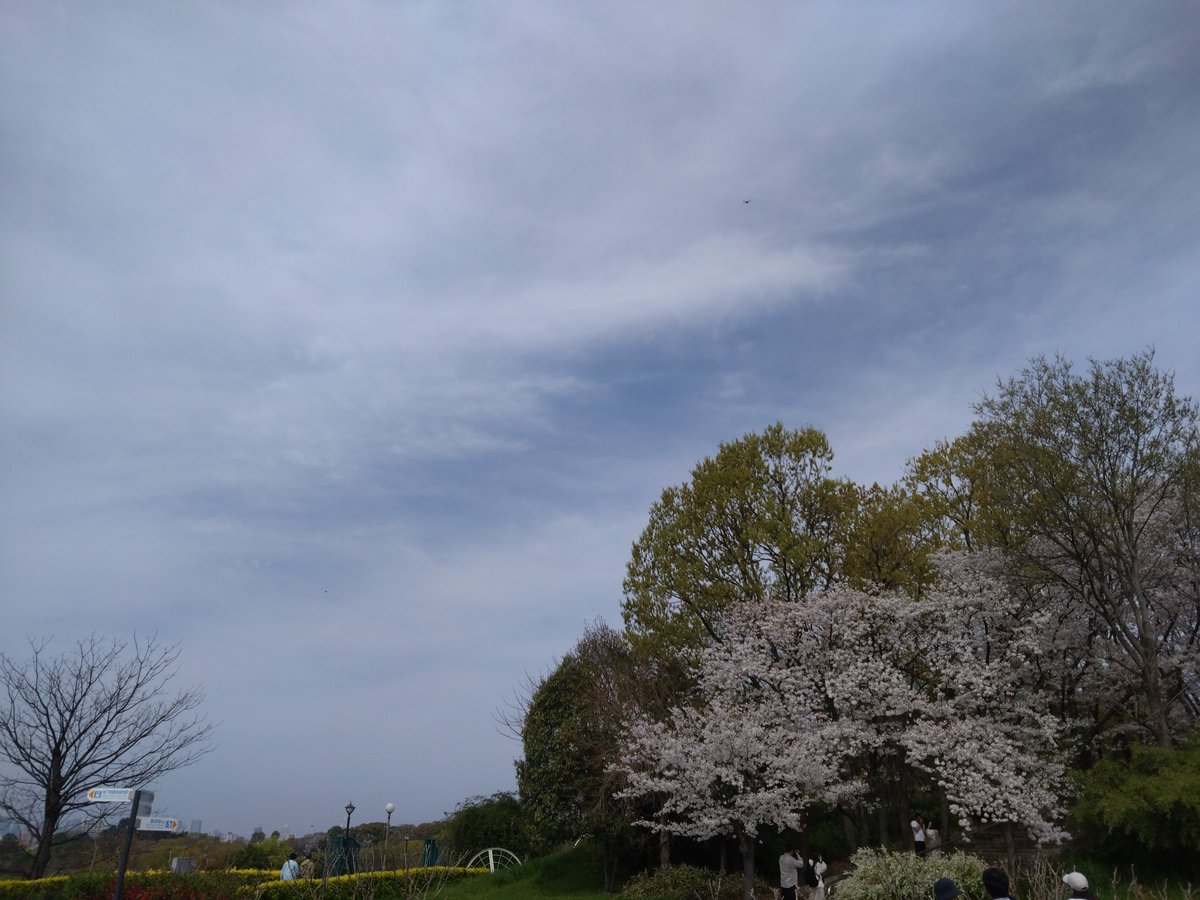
(1088,485)
(763,517)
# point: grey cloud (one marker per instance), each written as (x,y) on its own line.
(423,305)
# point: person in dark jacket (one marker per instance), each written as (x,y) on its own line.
(995,882)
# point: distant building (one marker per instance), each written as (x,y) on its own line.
(197,826)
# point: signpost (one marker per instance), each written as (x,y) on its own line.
(137,801)
(140,819)
(122,795)
(157,823)
(110,795)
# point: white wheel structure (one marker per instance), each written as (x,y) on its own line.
(494,859)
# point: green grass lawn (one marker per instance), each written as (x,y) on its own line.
(568,874)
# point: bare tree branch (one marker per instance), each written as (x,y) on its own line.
(103,712)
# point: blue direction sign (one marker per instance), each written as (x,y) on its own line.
(157,823)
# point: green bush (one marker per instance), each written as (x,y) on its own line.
(235,884)
(1144,809)
(887,875)
(495,821)
(153,885)
(689,883)
(399,883)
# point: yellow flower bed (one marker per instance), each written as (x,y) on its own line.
(234,884)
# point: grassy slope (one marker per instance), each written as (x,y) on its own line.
(569,874)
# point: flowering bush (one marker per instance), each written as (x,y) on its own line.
(886,875)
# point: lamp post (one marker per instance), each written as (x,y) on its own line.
(389,809)
(347,859)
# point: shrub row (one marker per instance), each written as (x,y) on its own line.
(400,883)
(234,884)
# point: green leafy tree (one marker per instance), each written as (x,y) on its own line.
(571,732)
(1087,484)
(949,481)
(558,773)
(481,822)
(252,856)
(893,536)
(13,858)
(761,517)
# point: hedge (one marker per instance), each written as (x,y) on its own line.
(234,884)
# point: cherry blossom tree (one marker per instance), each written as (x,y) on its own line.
(830,698)
(727,770)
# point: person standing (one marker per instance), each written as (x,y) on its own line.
(945,889)
(817,870)
(1078,884)
(918,830)
(291,868)
(791,864)
(995,882)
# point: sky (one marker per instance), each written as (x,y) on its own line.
(347,345)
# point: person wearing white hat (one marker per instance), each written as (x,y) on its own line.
(1078,885)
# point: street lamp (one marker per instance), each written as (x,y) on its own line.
(348,865)
(390,808)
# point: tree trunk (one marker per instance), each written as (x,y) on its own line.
(1152,678)
(724,854)
(904,809)
(850,830)
(746,845)
(945,805)
(608,861)
(42,858)
(664,848)
(51,813)
(1148,647)
(881,820)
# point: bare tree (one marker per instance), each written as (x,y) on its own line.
(101,713)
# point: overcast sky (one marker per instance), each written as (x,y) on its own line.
(348,344)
